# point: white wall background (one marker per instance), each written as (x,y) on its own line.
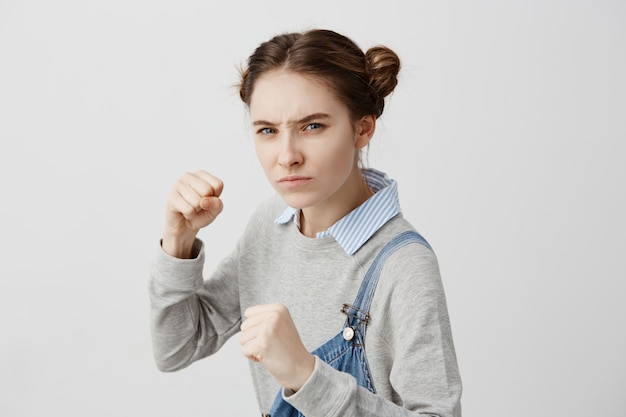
(506,134)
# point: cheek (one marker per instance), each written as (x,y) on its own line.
(262,153)
(341,151)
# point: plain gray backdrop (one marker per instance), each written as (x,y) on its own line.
(506,135)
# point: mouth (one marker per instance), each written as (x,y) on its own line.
(293,181)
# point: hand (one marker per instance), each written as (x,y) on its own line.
(270,337)
(193,204)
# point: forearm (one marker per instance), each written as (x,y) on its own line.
(332,393)
(172,287)
(181,316)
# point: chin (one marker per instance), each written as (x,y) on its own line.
(297,201)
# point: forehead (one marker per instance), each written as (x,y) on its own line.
(281,94)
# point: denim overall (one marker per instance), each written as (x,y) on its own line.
(345,352)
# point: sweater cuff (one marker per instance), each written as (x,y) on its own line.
(183,274)
(326,392)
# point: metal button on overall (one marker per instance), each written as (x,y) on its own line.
(348,333)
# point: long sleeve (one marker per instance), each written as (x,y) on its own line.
(408,341)
(187,322)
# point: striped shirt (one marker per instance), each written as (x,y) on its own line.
(356,227)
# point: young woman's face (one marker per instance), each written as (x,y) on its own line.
(305,140)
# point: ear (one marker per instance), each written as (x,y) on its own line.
(364,130)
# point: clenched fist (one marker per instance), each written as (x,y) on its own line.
(193,204)
(269,336)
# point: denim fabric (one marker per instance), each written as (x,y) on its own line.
(345,352)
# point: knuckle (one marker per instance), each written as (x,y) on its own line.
(205,190)
(187,211)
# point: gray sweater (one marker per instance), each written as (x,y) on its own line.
(408,343)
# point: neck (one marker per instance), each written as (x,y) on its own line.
(319,218)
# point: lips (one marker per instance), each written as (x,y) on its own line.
(293,181)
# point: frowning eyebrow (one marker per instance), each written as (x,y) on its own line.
(306,119)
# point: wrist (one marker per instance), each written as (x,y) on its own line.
(302,374)
(178,246)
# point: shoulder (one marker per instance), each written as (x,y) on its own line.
(412,267)
(410,296)
(410,274)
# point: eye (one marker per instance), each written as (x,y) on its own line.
(266,131)
(313,126)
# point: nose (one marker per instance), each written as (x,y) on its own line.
(289,153)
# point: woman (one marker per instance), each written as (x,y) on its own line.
(329,329)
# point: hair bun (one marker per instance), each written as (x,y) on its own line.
(361,80)
(383,66)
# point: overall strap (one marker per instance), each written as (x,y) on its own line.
(358,312)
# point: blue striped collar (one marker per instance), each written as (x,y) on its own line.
(356,227)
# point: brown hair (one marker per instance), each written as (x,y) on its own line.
(360,80)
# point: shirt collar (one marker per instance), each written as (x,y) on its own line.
(356,227)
